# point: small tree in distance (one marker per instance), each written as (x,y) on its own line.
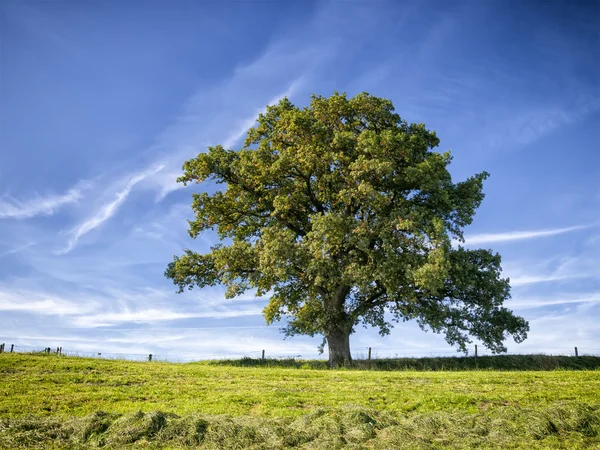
(344,215)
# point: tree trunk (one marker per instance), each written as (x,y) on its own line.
(338,342)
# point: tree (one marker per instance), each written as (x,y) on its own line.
(344,215)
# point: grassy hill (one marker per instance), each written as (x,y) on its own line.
(47,401)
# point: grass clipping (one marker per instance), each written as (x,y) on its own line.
(563,426)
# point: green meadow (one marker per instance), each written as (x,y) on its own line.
(48,401)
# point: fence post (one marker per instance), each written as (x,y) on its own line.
(576,352)
(150,357)
(263,355)
(369,353)
(2,348)
(475,350)
(12,347)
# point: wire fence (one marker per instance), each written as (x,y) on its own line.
(358,353)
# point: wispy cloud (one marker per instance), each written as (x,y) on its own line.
(554,299)
(187,344)
(535,121)
(11,208)
(107,210)
(166,179)
(16,249)
(570,268)
(224,113)
(85,308)
(488,238)
(167,182)
(236,135)
(543,278)
(160,315)
(581,265)
(41,303)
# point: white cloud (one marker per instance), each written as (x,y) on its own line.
(11,208)
(570,268)
(174,344)
(166,181)
(509,236)
(107,210)
(558,333)
(582,264)
(160,315)
(553,300)
(532,279)
(113,305)
(43,304)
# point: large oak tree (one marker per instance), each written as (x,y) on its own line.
(344,215)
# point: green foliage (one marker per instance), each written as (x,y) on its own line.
(343,212)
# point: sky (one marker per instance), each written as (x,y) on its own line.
(101,102)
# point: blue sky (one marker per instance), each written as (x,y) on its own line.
(102,102)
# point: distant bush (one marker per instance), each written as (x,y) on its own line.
(452,363)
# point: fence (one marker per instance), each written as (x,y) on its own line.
(361,353)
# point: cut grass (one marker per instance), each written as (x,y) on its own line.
(562,426)
(46,401)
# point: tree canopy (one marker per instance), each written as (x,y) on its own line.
(344,215)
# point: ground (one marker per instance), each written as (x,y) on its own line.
(47,400)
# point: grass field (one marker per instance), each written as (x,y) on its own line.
(48,401)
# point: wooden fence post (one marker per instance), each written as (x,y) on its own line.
(475,350)
(576,352)
(12,347)
(150,357)
(263,355)
(369,353)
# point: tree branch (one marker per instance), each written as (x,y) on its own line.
(369,302)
